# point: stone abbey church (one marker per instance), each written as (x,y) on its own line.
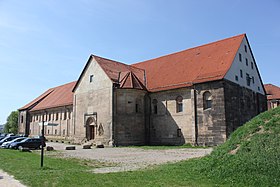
(197,96)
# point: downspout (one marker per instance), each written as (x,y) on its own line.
(113,116)
(195,116)
(74,115)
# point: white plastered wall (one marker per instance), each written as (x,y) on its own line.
(237,66)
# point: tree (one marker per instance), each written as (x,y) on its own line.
(12,123)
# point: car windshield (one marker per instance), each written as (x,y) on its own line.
(25,140)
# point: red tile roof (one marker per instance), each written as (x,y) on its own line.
(114,70)
(54,97)
(204,63)
(37,100)
(130,80)
(199,64)
(272,91)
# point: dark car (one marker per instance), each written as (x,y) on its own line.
(8,138)
(31,143)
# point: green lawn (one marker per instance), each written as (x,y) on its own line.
(251,157)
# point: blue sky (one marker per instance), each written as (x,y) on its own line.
(44,44)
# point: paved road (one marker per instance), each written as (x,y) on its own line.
(129,159)
(8,181)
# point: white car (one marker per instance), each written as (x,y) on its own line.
(7,144)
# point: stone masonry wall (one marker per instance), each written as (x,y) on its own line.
(93,99)
(129,120)
(211,122)
(167,126)
(242,104)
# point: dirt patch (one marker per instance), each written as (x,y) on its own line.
(127,159)
(234,151)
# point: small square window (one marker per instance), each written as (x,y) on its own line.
(252,65)
(240,57)
(246,62)
(90,78)
(241,73)
(236,77)
(245,47)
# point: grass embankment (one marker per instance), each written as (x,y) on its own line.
(251,157)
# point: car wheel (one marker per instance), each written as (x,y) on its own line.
(19,147)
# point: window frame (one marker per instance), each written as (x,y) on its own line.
(207,100)
(179,104)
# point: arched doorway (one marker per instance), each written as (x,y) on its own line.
(90,128)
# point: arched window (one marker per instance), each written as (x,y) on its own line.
(155,102)
(179,104)
(207,100)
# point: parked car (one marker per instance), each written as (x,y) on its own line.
(8,138)
(7,144)
(31,143)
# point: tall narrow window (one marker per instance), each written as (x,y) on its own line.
(245,47)
(253,80)
(56,116)
(136,108)
(179,104)
(21,119)
(65,115)
(207,100)
(248,79)
(240,57)
(246,62)
(155,109)
(241,73)
(252,65)
(90,78)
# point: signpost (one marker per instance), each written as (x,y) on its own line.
(42,142)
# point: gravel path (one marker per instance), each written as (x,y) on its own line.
(8,180)
(129,159)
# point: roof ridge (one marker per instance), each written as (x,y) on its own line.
(128,65)
(192,48)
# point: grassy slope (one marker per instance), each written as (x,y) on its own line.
(255,163)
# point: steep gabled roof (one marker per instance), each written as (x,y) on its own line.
(272,91)
(37,100)
(113,70)
(54,97)
(196,65)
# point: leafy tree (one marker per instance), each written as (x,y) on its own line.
(12,123)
